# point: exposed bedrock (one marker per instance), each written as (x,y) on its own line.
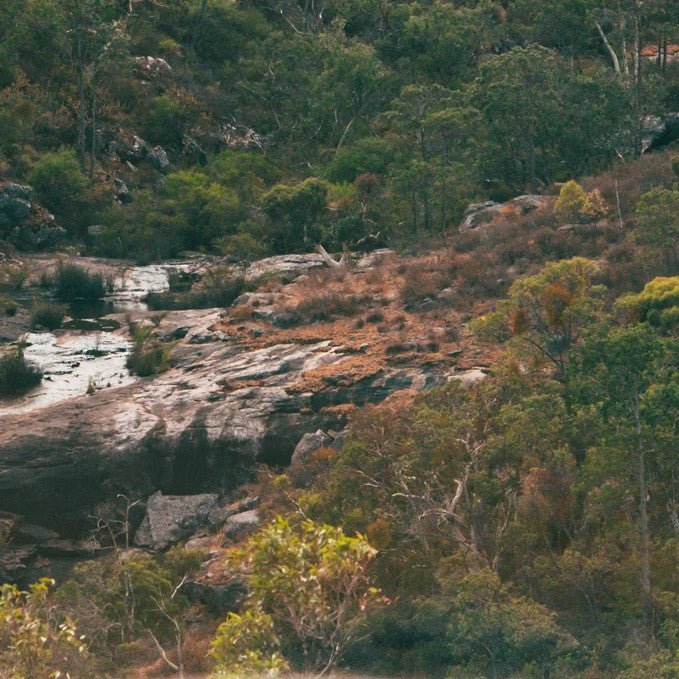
(200,427)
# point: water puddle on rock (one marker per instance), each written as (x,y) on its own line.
(130,288)
(87,351)
(70,364)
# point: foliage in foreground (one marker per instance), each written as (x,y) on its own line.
(36,642)
(308,588)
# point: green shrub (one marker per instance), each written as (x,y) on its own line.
(296,214)
(247,645)
(9,306)
(658,221)
(498,633)
(12,276)
(657,303)
(35,640)
(148,356)
(218,288)
(47,315)
(63,189)
(166,121)
(73,282)
(574,203)
(146,362)
(309,584)
(17,375)
(675,165)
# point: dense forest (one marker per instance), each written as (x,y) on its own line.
(269,127)
(524,525)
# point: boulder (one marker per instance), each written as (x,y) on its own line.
(287,266)
(171,518)
(241,524)
(481,214)
(309,443)
(477,214)
(659,131)
(121,192)
(29,533)
(158,158)
(371,259)
(219,516)
(153,66)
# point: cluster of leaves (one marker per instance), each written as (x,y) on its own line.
(35,641)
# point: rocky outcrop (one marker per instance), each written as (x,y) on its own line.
(241,524)
(130,148)
(482,214)
(23,222)
(658,132)
(153,66)
(287,267)
(199,428)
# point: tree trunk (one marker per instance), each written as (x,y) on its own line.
(643,518)
(81,101)
(198,26)
(93,144)
(611,51)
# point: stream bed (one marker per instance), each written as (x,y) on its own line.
(91,349)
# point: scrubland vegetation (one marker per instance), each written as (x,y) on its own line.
(520,526)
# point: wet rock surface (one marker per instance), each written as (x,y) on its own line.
(199,427)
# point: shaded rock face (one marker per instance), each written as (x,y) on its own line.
(170,519)
(199,428)
(24,223)
(658,132)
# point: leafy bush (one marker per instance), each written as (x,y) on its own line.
(247,645)
(120,599)
(498,633)
(63,189)
(167,120)
(658,221)
(73,282)
(657,303)
(34,642)
(47,315)
(309,581)
(17,375)
(9,306)
(296,214)
(148,356)
(574,203)
(12,276)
